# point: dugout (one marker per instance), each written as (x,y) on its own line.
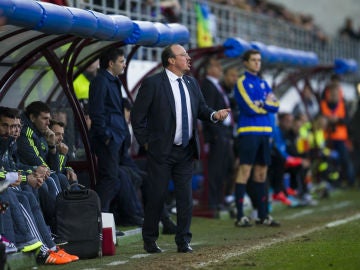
(46,46)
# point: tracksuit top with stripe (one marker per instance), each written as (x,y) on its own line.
(253,119)
(33,148)
(8,161)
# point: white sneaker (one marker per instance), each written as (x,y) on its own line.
(243,222)
(9,246)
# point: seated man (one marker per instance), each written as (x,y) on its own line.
(23,203)
(36,147)
(62,149)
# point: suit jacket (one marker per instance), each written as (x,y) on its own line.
(215,100)
(106,108)
(153,114)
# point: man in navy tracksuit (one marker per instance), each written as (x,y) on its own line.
(108,125)
(256,101)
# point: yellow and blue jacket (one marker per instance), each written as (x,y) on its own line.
(254,119)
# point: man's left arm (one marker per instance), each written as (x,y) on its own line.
(271,103)
(206,113)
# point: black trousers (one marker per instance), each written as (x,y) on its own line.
(178,167)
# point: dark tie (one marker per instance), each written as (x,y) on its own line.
(184,115)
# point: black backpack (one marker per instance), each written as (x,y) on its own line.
(78,221)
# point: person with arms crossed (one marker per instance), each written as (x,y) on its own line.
(256,101)
(164,122)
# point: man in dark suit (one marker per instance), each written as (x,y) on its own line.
(164,122)
(108,125)
(218,135)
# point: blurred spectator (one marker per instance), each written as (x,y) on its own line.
(278,160)
(218,135)
(297,146)
(171,10)
(82,82)
(81,88)
(308,104)
(309,25)
(324,161)
(229,79)
(242,4)
(354,130)
(333,107)
(348,31)
(276,10)
(57,2)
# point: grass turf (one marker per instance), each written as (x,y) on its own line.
(302,242)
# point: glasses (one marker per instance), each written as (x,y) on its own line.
(182,54)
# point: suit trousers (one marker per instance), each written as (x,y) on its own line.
(218,159)
(108,184)
(178,167)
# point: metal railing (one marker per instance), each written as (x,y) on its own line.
(231,22)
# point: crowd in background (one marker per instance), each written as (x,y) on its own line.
(279,11)
(171,12)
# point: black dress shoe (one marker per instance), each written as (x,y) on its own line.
(152,247)
(119,233)
(185,248)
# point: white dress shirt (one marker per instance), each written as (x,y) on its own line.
(176,93)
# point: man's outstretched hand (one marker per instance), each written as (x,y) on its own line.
(221,114)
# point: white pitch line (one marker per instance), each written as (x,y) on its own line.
(342,221)
(323,209)
(117,263)
(275,241)
(300,214)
